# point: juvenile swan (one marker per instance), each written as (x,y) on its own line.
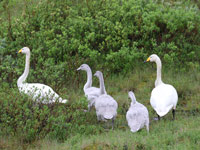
(90,92)
(164,97)
(106,106)
(40,92)
(137,116)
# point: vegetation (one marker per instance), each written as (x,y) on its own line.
(115,37)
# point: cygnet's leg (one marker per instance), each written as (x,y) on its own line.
(157,118)
(89,107)
(113,121)
(147,125)
(173,113)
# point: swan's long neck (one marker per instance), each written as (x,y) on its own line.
(159,67)
(23,77)
(102,86)
(89,79)
(133,99)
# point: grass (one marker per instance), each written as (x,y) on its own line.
(183,133)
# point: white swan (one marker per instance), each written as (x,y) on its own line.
(137,116)
(164,97)
(90,92)
(106,106)
(40,92)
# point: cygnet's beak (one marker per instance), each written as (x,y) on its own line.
(78,69)
(95,74)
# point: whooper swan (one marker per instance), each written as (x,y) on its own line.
(39,92)
(164,97)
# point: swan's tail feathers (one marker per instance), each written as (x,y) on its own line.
(62,100)
(163,111)
(108,116)
(134,130)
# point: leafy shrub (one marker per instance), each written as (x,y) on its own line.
(22,117)
(115,35)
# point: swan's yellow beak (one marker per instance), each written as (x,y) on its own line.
(20,51)
(148,59)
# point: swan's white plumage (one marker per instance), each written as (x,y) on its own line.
(90,92)
(105,105)
(39,92)
(164,97)
(137,116)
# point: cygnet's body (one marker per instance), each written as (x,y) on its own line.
(137,116)
(105,105)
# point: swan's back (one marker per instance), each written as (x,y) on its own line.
(92,91)
(41,92)
(106,106)
(137,117)
(164,97)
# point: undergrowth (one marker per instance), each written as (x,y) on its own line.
(32,123)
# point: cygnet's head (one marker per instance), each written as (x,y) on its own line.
(84,67)
(98,74)
(152,58)
(24,50)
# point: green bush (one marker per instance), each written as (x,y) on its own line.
(114,35)
(22,117)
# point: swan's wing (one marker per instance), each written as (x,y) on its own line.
(41,92)
(91,90)
(137,117)
(106,106)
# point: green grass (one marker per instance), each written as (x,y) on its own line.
(183,133)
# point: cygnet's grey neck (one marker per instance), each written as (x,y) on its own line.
(23,77)
(102,86)
(88,84)
(159,69)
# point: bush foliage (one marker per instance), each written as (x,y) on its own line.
(114,35)
(22,117)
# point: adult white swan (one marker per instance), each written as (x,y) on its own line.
(137,116)
(90,92)
(106,106)
(164,97)
(39,92)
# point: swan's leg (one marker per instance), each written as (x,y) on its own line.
(173,113)
(158,117)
